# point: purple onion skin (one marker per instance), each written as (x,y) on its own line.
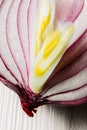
(29,100)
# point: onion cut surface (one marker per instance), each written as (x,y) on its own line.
(43,51)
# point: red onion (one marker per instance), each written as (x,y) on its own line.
(43,51)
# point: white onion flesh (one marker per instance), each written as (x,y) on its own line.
(78,80)
(70,96)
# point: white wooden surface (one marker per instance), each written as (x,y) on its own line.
(47,117)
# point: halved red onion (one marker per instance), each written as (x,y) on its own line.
(43,51)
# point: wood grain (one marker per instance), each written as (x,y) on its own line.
(48,117)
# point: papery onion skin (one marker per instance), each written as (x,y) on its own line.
(15,74)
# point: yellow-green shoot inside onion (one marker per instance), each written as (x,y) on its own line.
(43,51)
